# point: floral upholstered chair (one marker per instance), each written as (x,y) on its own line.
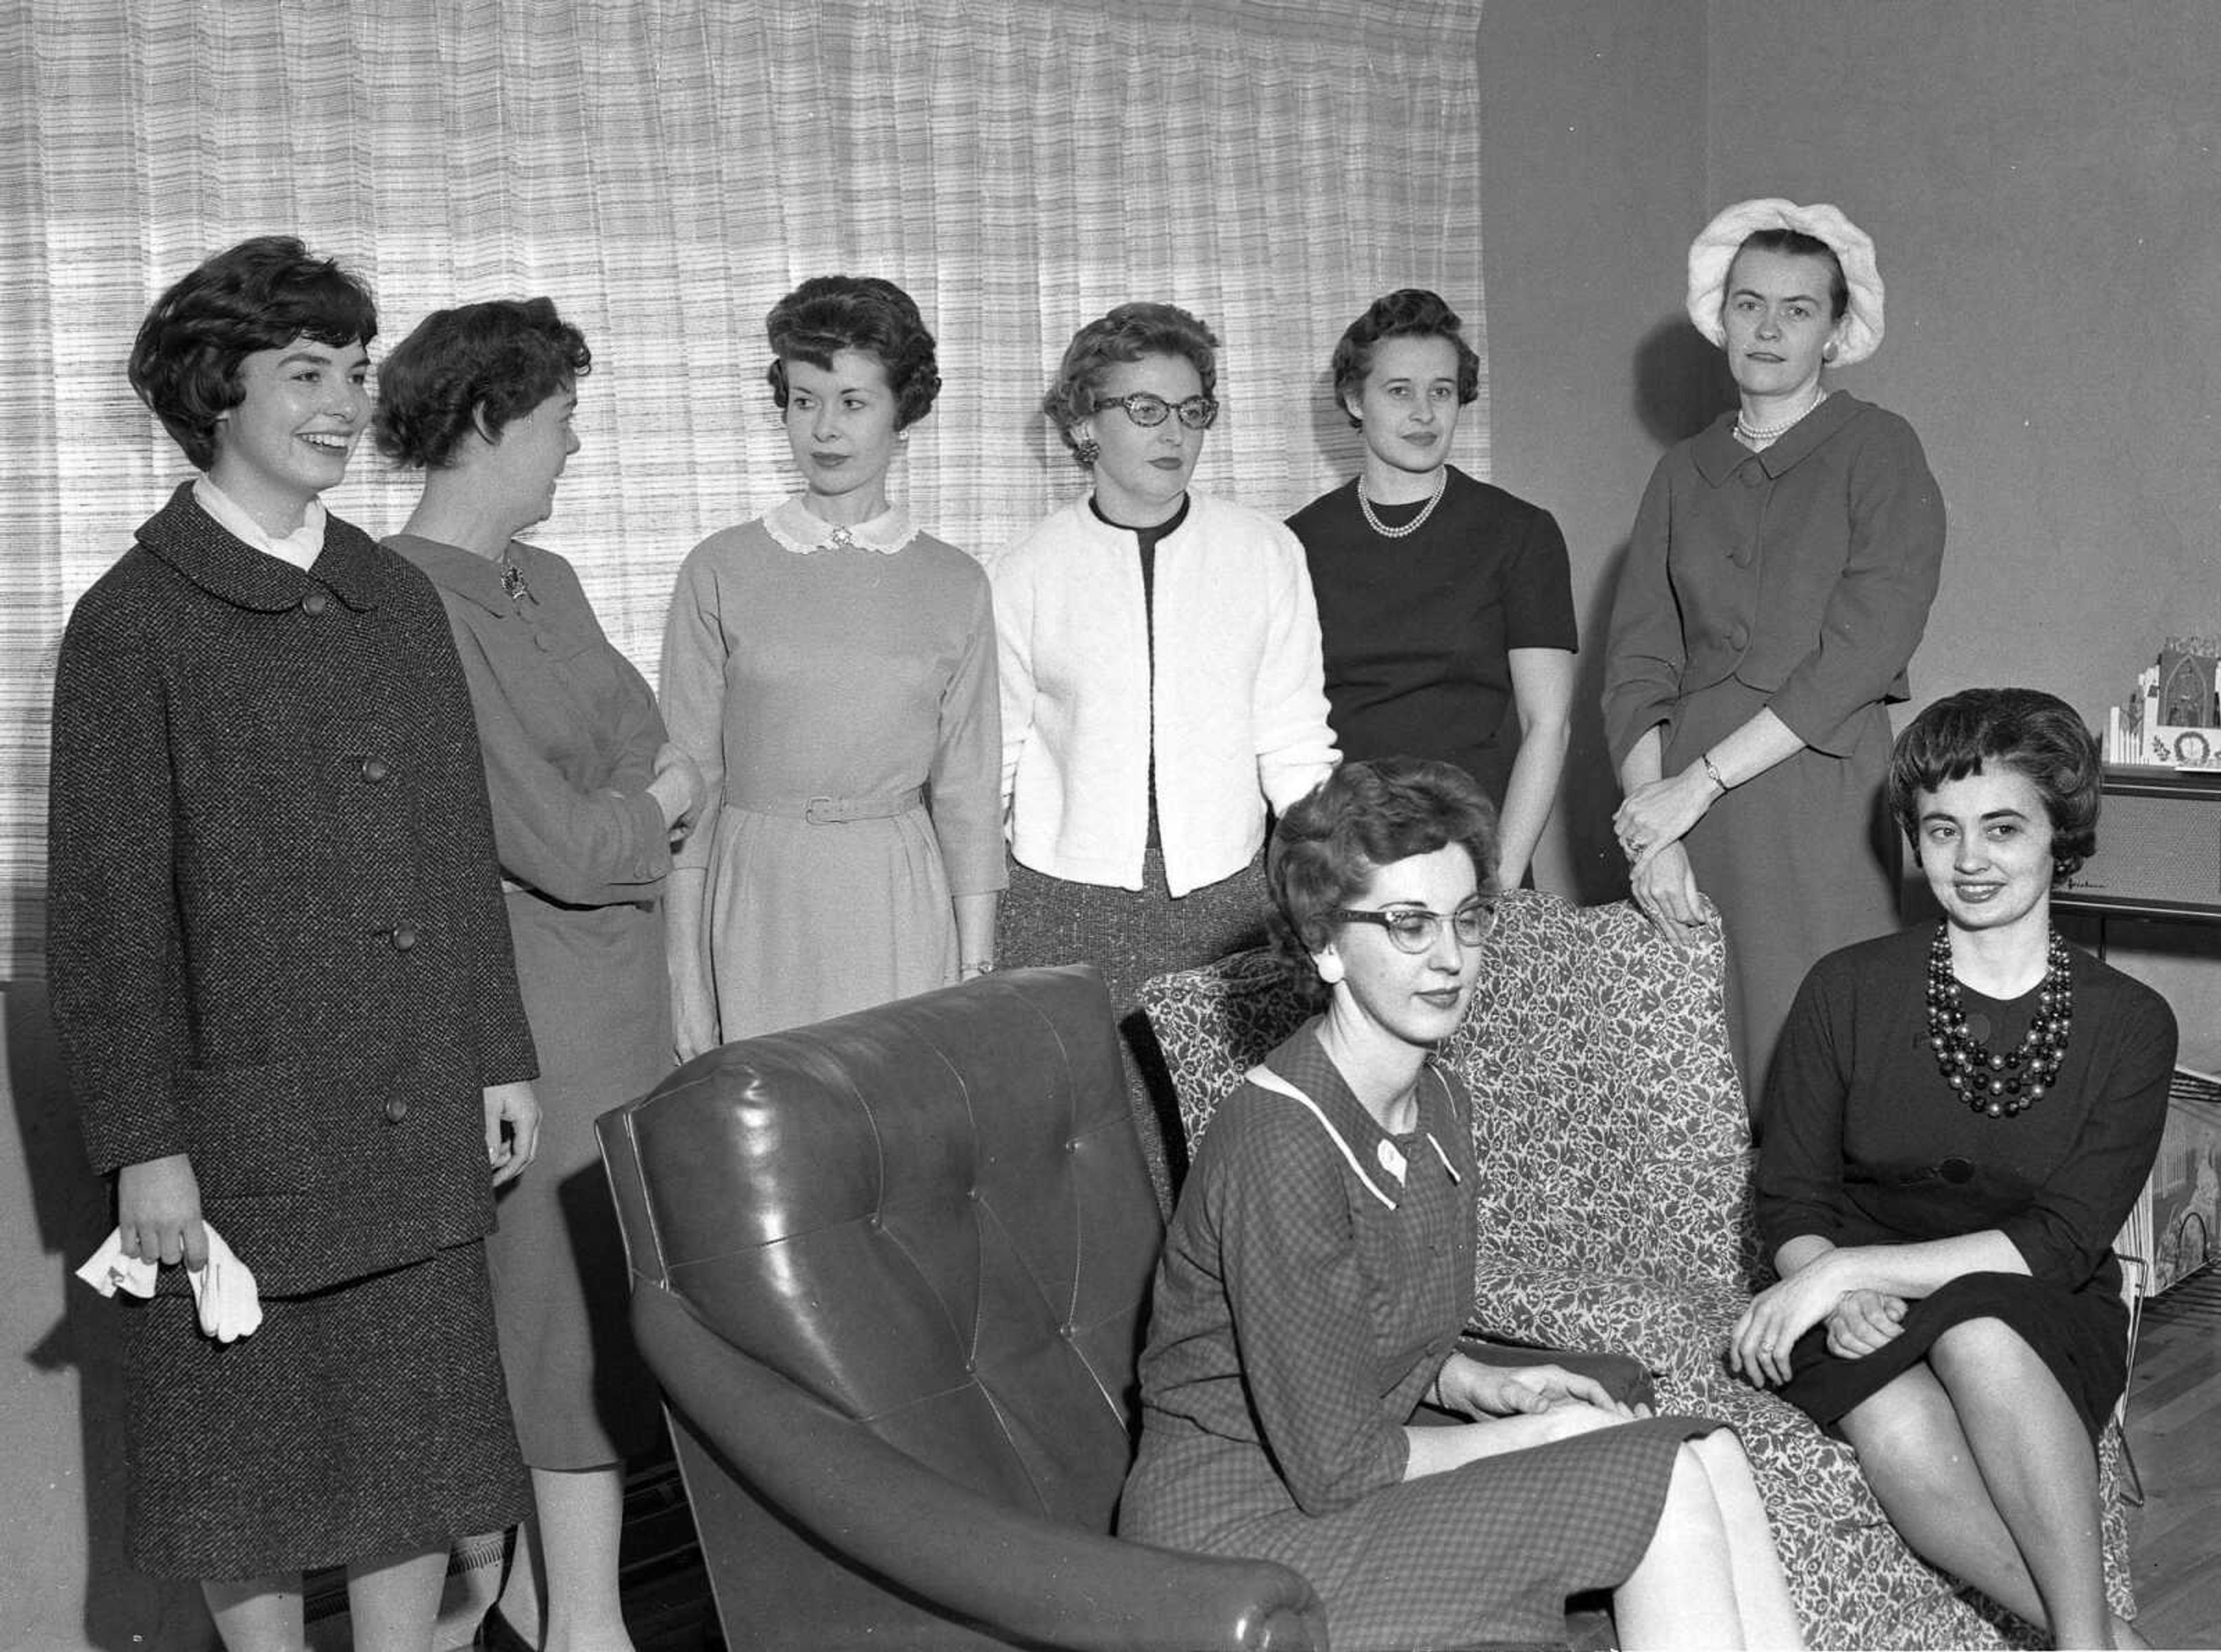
(1615,1213)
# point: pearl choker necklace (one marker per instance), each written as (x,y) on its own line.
(1758,436)
(1364,505)
(1999,1085)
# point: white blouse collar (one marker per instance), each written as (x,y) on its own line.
(301,548)
(801,530)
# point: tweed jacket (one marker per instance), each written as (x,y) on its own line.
(276,936)
(1805,570)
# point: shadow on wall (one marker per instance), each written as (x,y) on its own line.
(1680,384)
(62,1532)
(1338,440)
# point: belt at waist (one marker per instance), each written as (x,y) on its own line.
(833,812)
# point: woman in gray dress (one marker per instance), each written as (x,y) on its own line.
(832,669)
(1777,583)
(586,795)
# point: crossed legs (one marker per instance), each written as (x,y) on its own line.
(1982,1463)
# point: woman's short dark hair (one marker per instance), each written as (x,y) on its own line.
(1407,313)
(2026,731)
(1361,817)
(260,295)
(828,314)
(476,366)
(1127,334)
(1796,243)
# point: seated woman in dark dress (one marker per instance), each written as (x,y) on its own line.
(1318,1271)
(1956,1127)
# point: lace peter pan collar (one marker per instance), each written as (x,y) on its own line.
(799,530)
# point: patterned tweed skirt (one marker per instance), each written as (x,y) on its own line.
(1131,934)
(365,1420)
(1485,1553)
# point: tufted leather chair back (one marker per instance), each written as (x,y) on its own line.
(932,1218)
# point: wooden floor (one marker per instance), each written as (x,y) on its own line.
(2174,1434)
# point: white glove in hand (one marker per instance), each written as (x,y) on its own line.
(230,1307)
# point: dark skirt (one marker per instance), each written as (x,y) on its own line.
(1795,860)
(593,985)
(1131,934)
(366,1420)
(2081,1336)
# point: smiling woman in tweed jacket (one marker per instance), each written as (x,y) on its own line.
(283,983)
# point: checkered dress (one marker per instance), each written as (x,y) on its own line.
(1305,1303)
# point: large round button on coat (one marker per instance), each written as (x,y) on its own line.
(401,937)
(375,769)
(315,603)
(397,1110)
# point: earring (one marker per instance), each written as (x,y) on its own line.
(1329,969)
(1086,450)
(1358,419)
(1828,351)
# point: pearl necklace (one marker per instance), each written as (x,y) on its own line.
(1760,436)
(1442,486)
(1999,1085)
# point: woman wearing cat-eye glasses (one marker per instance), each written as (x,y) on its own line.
(1159,651)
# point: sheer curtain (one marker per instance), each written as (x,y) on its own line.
(665,170)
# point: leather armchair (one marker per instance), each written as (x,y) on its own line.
(892,1272)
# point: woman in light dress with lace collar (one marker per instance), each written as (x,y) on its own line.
(832,670)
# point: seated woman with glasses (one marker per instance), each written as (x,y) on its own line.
(1161,683)
(1318,1271)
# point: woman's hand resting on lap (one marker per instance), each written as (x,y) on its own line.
(1862,1322)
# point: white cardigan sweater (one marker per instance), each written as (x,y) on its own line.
(1239,705)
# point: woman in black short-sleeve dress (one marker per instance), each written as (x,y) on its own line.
(1957,1125)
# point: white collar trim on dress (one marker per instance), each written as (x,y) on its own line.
(802,530)
(1265,1078)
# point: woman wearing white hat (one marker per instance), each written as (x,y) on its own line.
(1778,580)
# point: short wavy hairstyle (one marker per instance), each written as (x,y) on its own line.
(828,314)
(2026,731)
(260,295)
(474,367)
(1795,243)
(1126,334)
(1407,313)
(1361,817)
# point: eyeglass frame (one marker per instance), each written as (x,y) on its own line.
(1484,913)
(1172,409)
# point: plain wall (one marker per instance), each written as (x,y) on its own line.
(1592,143)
